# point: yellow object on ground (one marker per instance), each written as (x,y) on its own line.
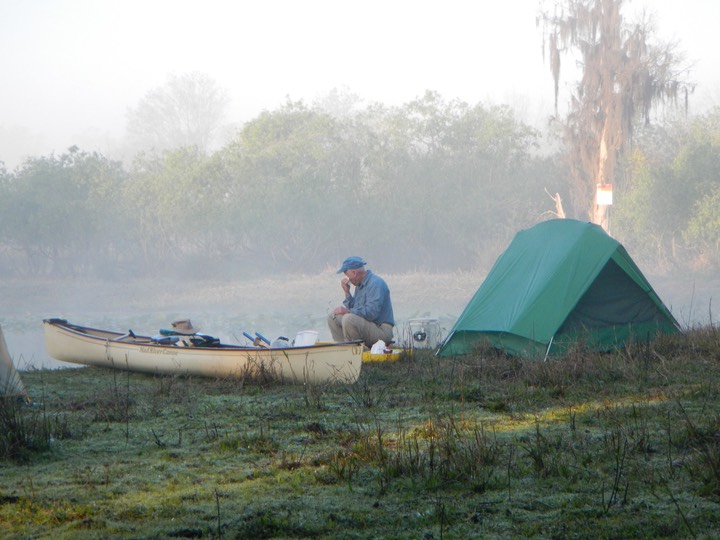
(391,356)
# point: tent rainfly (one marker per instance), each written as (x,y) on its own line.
(560,283)
(10,383)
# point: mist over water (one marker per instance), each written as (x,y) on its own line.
(272,306)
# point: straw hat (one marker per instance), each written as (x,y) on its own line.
(184,326)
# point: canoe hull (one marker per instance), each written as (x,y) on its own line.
(328,363)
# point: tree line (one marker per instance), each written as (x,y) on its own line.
(430,185)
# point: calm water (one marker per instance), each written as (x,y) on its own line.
(284,312)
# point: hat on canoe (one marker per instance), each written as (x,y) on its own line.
(184,326)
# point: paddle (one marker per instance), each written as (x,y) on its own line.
(258,341)
(261,341)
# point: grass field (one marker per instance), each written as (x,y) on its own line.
(620,445)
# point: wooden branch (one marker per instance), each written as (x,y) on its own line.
(559,211)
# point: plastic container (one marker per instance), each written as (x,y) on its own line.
(306,338)
(423,333)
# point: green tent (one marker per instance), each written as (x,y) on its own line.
(560,283)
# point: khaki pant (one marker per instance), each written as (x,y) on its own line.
(350,327)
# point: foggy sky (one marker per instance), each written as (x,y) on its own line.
(72,68)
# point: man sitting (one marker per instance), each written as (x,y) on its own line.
(367,315)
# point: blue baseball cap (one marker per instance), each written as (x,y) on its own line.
(351,263)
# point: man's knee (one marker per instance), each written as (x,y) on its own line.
(336,326)
(351,325)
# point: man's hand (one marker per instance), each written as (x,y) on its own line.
(342,310)
(345,284)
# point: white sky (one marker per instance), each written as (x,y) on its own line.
(71,68)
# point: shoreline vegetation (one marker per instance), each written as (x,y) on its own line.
(616,445)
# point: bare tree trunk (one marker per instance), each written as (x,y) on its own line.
(624,75)
(601,217)
(600,211)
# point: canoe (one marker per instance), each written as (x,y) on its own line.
(201,357)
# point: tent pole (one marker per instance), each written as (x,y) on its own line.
(547,352)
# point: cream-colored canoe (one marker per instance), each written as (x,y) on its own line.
(316,364)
